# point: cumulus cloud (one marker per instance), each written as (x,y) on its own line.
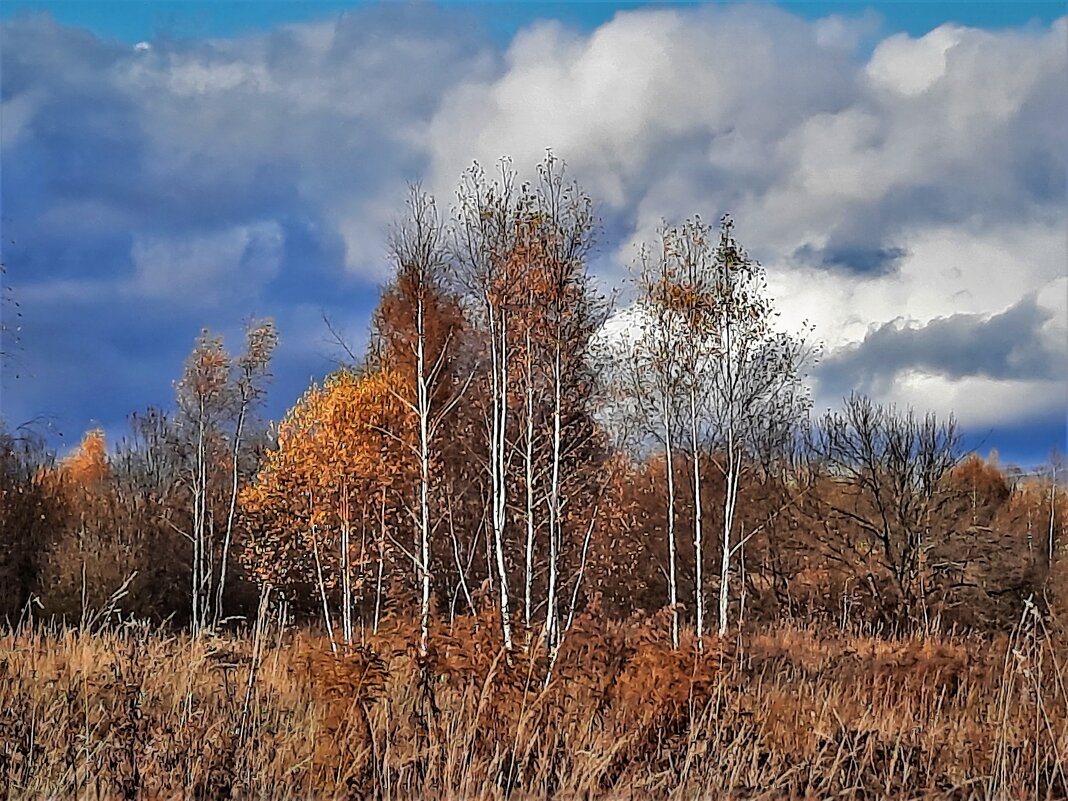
(1001,346)
(907,194)
(909,202)
(149,191)
(244,257)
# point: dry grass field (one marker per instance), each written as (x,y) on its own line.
(788,712)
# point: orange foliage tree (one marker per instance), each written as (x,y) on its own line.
(87,465)
(343,451)
(96,557)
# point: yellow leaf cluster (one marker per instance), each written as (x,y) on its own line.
(85,468)
(88,464)
(339,448)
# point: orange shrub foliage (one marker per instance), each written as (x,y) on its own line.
(87,465)
(339,450)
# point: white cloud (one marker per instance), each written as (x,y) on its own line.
(924,182)
(364,229)
(221,264)
(846,33)
(917,180)
(909,66)
(15,113)
(975,402)
(947,270)
(1053,297)
(199,77)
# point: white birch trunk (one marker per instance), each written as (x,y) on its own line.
(199,506)
(698,521)
(228,536)
(528,573)
(731,491)
(499,406)
(322,591)
(729,503)
(423,403)
(346,568)
(381,562)
(1050,546)
(551,615)
(669,467)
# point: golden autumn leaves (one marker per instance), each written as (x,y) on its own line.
(339,448)
(87,465)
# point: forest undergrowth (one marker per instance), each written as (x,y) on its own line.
(790,711)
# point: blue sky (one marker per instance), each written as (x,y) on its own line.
(133,21)
(898,167)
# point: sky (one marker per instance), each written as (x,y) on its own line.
(898,168)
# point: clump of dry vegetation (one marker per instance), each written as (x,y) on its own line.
(775,713)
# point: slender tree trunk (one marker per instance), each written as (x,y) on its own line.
(528,574)
(1052,519)
(743,593)
(346,567)
(346,587)
(575,589)
(209,564)
(729,504)
(199,507)
(730,500)
(227,537)
(381,562)
(423,402)
(552,623)
(669,468)
(195,567)
(499,357)
(322,591)
(698,521)
(461,569)
(363,561)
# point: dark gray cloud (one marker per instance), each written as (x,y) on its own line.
(853,259)
(1011,346)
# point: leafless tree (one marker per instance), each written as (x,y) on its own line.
(654,380)
(249,390)
(891,467)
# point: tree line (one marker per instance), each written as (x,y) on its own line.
(510,441)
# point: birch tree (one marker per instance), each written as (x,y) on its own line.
(204,394)
(523,252)
(418,248)
(216,396)
(252,373)
(654,375)
(682,298)
(566,317)
(483,240)
(753,378)
(709,339)
(755,382)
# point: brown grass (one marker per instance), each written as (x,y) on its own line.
(783,713)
